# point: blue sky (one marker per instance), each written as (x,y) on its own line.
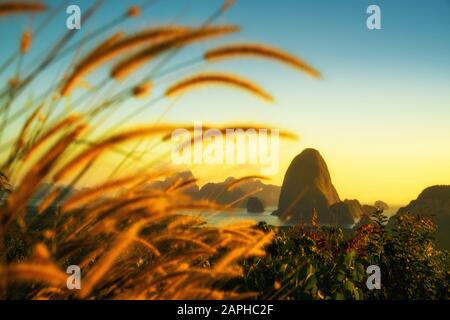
(380,116)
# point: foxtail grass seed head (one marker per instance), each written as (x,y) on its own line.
(201,80)
(14,82)
(57,128)
(25,42)
(41,252)
(47,273)
(18,7)
(142,90)
(260,51)
(98,57)
(105,45)
(132,241)
(133,63)
(134,12)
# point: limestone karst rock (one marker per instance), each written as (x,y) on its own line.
(307,185)
(346,213)
(254,205)
(434,201)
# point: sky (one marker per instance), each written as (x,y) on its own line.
(380,116)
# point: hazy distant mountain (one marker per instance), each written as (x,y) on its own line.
(435,202)
(217,192)
(307,185)
(268,193)
(368,209)
(238,195)
(177,178)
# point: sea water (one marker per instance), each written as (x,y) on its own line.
(217,219)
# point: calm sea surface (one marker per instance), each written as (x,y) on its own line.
(240,215)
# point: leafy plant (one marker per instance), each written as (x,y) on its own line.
(318,263)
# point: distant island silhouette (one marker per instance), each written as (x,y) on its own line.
(307,186)
(433,201)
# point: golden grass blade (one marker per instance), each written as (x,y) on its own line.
(242,225)
(237,233)
(243,252)
(195,274)
(148,245)
(217,78)
(282,133)
(41,253)
(48,293)
(99,57)
(224,130)
(198,205)
(208,249)
(49,199)
(260,51)
(131,64)
(100,147)
(235,254)
(100,269)
(185,220)
(113,39)
(26,126)
(200,294)
(134,11)
(39,171)
(34,272)
(181,184)
(20,142)
(17,7)
(227,4)
(63,124)
(82,197)
(157,204)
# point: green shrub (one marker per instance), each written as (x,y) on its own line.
(319,263)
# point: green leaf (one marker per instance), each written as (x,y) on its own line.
(338,296)
(349,258)
(340,275)
(349,286)
(311,283)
